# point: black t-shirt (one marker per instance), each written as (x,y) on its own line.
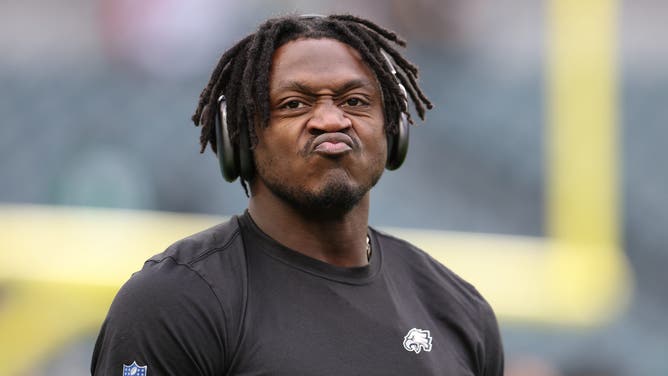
(232,301)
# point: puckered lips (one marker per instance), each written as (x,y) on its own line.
(332,144)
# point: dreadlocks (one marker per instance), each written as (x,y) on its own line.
(242,73)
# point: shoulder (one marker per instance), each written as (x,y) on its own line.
(216,259)
(402,254)
(188,251)
(161,317)
(431,278)
(184,305)
(184,263)
(216,255)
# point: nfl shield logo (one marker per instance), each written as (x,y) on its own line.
(134,370)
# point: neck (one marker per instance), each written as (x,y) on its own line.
(338,240)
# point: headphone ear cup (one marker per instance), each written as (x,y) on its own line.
(397,144)
(227,156)
(246,163)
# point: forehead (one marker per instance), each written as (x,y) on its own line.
(319,62)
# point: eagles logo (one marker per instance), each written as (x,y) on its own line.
(417,340)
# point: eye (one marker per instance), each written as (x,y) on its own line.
(355,102)
(293,104)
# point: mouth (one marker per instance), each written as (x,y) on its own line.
(332,144)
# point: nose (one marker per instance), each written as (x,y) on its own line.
(328,117)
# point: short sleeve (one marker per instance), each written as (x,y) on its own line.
(493,358)
(167,318)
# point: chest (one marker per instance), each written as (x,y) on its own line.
(311,326)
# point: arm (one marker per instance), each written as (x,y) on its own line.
(166,317)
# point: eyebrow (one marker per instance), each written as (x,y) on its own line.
(305,88)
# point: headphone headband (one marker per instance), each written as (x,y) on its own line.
(312,15)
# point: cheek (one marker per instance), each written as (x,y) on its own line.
(380,141)
(379,134)
(272,158)
(382,152)
(262,157)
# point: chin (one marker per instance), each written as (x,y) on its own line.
(334,198)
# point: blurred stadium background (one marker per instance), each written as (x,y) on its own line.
(538,176)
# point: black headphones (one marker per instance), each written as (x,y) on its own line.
(237,161)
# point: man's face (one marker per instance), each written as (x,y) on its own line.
(325,146)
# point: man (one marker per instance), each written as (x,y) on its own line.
(308,111)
